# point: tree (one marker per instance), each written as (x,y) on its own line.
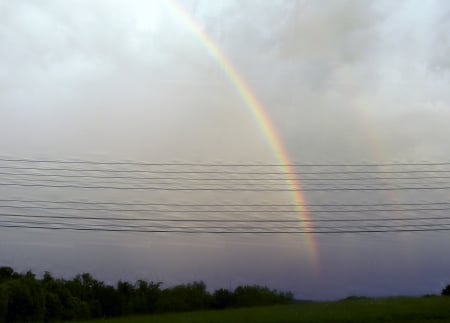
(184,298)
(146,296)
(446,291)
(3,304)
(260,296)
(7,273)
(25,301)
(126,294)
(223,298)
(24,298)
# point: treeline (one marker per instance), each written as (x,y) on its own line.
(24,298)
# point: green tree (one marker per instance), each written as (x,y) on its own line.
(7,273)
(3,303)
(147,295)
(223,298)
(127,295)
(260,296)
(184,298)
(25,300)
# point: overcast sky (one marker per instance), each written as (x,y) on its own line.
(342,81)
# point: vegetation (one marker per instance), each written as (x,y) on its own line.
(446,291)
(24,298)
(425,309)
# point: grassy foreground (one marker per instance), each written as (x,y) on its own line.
(425,309)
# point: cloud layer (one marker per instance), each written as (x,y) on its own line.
(343,81)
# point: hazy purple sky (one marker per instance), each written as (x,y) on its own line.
(342,81)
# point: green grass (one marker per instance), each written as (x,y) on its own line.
(425,309)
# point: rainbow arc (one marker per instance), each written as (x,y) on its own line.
(260,115)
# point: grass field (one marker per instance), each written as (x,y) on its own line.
(426,309)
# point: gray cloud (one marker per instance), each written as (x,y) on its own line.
(341,80)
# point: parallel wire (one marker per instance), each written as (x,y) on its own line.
(90,162)
(227,231)
(220,211)
(221,178)
(15,215)
(219,205)
(221,227)
(220,171)
(240,189)
(284,183)
(265,225)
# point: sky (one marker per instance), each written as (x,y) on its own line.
(341,82)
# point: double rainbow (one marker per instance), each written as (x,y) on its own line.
(261,117)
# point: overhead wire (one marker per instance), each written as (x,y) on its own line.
(138,163)
(222,171)
(243,173)
(219,204)
(334,231)
(220,178)
(240,189)
(222,211)
(123,226)
(112,218)
(249,183)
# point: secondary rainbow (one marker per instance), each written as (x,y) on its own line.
(258,111)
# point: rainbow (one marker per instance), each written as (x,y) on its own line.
(261,117)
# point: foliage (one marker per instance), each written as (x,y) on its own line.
(245,296)
(3,304)
(223,298)
(446,291)
(24,298)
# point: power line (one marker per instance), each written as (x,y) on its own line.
(15,215)
(219,205)
(227,232)
(137,163)
(220,211)
(222,227)
(242,189)
(219,177)
(221,171)
(222,178)
(284,183)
